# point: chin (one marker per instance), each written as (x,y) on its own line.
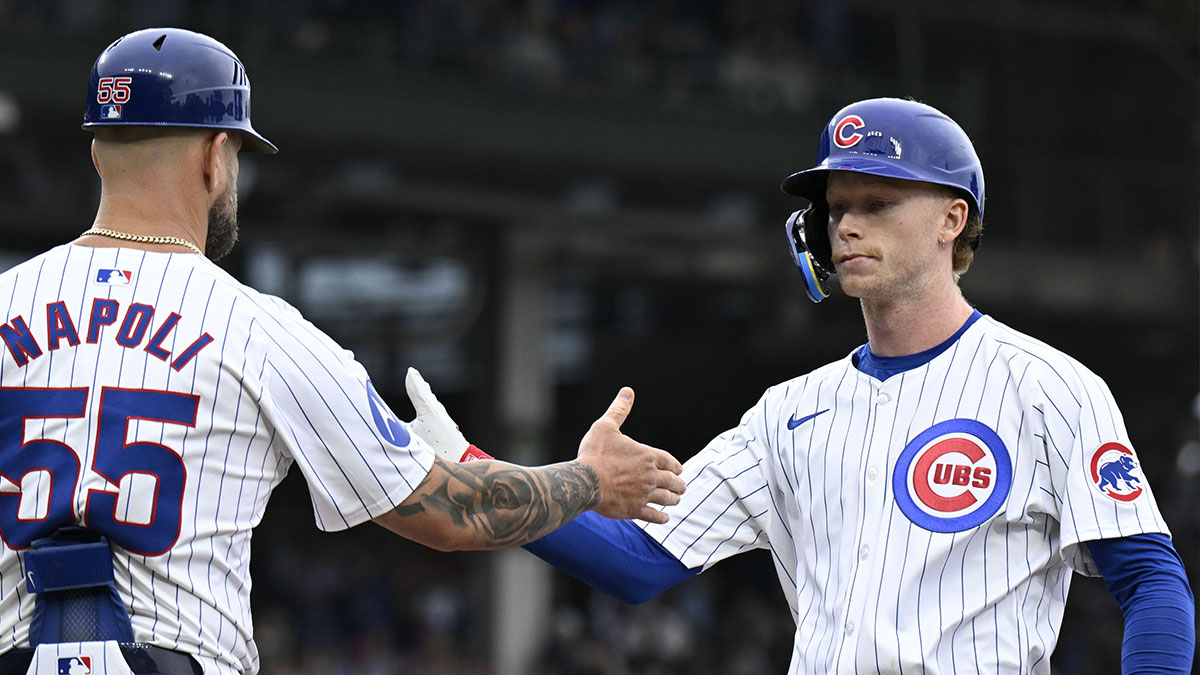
(856,287)
(860,290)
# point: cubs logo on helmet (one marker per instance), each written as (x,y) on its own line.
(953,476)
(1113,467)
(848,139)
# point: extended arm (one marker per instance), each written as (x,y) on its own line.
(490,504)
(1145,575)
(614,556)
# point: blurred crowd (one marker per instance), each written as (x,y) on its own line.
(763,56)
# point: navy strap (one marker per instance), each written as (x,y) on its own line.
(71,574)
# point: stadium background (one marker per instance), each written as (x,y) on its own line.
(537,202)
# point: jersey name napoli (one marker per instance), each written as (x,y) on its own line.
(153,398)
(928,522)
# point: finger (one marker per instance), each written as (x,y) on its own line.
(670,481)
(663,497)
(619,409)
(664,460)
(652,515)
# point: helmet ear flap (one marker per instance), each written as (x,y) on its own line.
(815,265)
(815,221)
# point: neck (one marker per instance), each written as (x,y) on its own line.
(150,213)
(911,325)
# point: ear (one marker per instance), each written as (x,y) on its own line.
(96,161)
(954,218)
(216,172)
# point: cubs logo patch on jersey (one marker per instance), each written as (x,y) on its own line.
(1113,470)
(953,476)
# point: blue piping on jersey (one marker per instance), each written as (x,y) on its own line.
(883,367)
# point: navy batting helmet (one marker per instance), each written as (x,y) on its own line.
(889,137)
(171,77)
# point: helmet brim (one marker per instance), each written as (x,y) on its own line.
(810,183)
(252,141)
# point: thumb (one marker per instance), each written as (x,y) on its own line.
(619,409)
(419,392)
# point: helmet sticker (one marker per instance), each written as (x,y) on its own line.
(848,140)
(113,90)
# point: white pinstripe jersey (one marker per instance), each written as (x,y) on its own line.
(157,400)
(929,522)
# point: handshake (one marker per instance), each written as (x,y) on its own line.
(630,476)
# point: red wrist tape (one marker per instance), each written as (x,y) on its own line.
(473,453)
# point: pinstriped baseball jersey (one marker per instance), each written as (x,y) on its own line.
(929,521)
(152,397)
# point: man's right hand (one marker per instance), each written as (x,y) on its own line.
(631,475)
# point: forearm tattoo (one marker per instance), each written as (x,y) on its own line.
(508,505)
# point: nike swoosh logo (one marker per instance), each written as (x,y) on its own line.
(793,422)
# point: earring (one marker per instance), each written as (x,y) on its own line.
(941,243)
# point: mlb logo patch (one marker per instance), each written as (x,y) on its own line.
(75,665)
(112,111)
(111,277)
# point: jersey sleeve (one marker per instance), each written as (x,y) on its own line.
(358,458)
(728,497)
(1095,471)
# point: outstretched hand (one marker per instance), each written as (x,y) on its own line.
(631,475)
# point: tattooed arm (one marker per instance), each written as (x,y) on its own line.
(492,504)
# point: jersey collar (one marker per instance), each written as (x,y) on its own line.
(883,367)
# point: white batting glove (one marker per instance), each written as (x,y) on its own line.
(435,426)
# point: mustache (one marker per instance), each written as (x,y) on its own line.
(870,252)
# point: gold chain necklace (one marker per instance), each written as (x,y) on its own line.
(144,239)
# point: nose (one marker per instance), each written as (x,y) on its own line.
(845,226)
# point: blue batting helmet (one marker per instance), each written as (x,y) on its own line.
(889,137)
(171,77)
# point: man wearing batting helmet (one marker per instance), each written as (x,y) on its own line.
(150,403)
(927,497)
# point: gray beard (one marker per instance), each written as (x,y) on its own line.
(222,226)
